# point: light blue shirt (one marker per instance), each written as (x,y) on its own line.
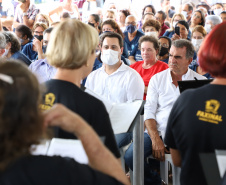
(42,70)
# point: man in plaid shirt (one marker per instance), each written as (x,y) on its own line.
(25,14)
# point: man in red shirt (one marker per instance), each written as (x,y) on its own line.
(161,17)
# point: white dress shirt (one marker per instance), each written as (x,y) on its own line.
(161,95)
(124,85)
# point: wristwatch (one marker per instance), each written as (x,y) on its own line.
(25,14)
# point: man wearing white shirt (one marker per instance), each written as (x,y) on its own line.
(162,92)
(115,81)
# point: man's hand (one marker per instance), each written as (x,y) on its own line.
(158,149)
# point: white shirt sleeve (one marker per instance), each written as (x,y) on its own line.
(135,88)
(151,104)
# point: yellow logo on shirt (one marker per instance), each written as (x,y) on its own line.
(49,101)
(210,114)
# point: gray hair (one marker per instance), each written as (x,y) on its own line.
(2,41)
(185,43)
(215,19)
(11,37)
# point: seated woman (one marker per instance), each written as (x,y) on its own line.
(111,26)
(147,9)
(176,17)
(33,50)
(149,47)
(94,21)
(24,35)
(42,18)
(71,50)
(150,27)
(184,30)
(122,14)
(109,14)
(165,43)
(198,35)
(13,48)
(198,18)
(23,126)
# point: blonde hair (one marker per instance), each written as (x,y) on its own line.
(45,17)
(171,24)
(44,26)
(199,29)
(71,44)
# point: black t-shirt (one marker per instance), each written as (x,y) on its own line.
(197,124)
(87,106)
(41,170)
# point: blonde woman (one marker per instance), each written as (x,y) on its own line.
(42,18)
(72,51)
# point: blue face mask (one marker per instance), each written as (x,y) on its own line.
(131,28)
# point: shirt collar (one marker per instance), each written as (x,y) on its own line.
(44,61)
(184,77)
(122,67)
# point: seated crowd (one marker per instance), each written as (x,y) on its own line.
(121,57)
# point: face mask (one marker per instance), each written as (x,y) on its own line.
(21,41)
(39,37)
(185,14)
(5,53)
(44,48)
(91,24)
(196,43)
(207,28)
(152,33)
(163,51)
(217,11)
(174,24)
(109,57)
(131,28)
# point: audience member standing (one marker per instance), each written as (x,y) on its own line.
(25,14)
(72,51)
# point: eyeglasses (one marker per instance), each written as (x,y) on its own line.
(38,32)
(164,45)
(133,23)
(42,20)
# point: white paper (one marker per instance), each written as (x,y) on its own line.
(221,161)
(68,148)
(40,149)
(122,115)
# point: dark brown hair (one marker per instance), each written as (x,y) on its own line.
(151,39)
(20,117)
(153,23)
(114,25)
